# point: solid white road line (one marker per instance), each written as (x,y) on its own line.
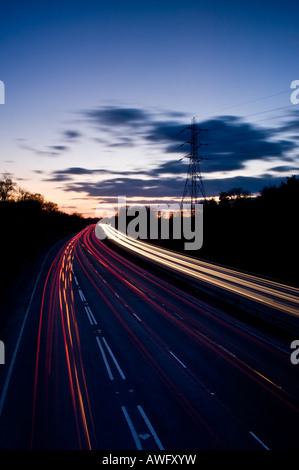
(104,358)
(150,427)
(132,429)
(82,296)
(114,360)
(185,367)
(90,315)
(137,317)
(255,437)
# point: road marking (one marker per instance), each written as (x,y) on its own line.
(90,315)
(226,350)
(177,359)
(82,297)
(144,436)
(177,315)
(132,429)
(137,317)
(114,360)
(104,358)
(150,427)
(116,295)
(255,437)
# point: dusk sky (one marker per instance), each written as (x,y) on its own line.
(98,92)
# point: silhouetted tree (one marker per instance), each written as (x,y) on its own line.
(257,234)
(7,187)
(29,224)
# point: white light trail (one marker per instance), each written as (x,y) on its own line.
(269,293)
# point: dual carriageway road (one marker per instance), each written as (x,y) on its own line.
(113,356)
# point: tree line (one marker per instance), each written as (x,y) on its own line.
(258,234)
(29,225)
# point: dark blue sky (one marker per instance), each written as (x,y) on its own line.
(96,93)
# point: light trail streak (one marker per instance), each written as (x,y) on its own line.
(191,327)
(127,282)
(189,301)
(269,293)
(121,269)
(58,317)
(166,340)
(155,339)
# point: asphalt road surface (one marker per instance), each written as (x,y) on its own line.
(112,356)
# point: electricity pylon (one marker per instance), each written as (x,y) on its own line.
(194,184)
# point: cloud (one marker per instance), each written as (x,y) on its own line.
(171,167)
(59,148)
(285,168)
(78,171)
(166,187)
(41,153)
(229,143)
(68,173)
(290,127)
(166,132)
(71,134)
(116,116)
(127,186)
(127,126)
(57,179)
(52,150)
(232,144)
(55,150)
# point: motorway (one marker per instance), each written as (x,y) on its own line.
(113,356)
(253,288)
